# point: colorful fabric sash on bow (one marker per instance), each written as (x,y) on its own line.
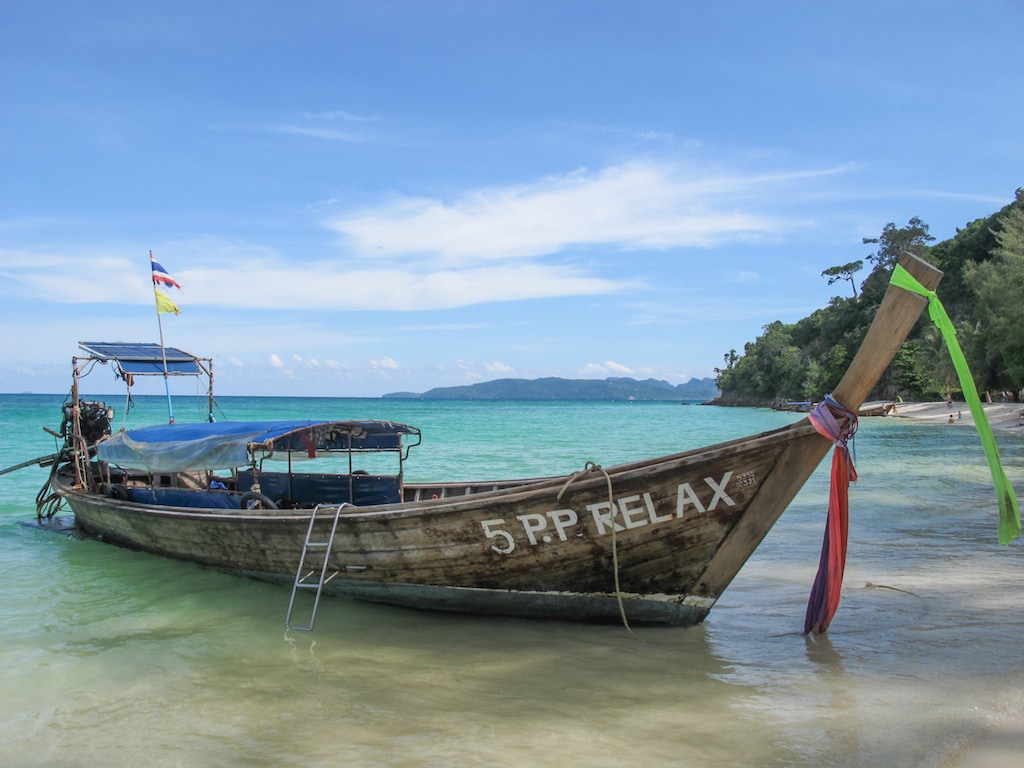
(1009,511)
(839,424)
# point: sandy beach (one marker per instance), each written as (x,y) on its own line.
(1003,417)
(999,748)
(1002,746)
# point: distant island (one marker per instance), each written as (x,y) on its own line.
(553,388)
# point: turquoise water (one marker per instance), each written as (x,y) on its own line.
(114,658)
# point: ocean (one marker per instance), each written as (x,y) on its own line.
(116,658)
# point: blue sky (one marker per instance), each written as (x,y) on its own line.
(360,198)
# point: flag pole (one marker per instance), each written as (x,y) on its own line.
(163,351)
(163,355)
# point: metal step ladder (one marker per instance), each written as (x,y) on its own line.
(315,577)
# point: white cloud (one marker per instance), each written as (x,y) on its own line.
(274,284)
(489,245)
(317,132)
(607,368)
(385,364)
(742,276)
(617,367)
(637,205)
(275,362)
(318,125)
(330,286)
(338,114)
(500,368)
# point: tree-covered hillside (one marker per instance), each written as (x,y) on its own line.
(982,290)
(610,389)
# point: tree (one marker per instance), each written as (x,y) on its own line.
(844,272)
(999,286)
(730,359)
(983,291)
(893,242)
(974,243)
(771,367)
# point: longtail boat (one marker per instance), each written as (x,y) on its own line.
(655,541)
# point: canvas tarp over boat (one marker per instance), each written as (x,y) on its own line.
(229,444)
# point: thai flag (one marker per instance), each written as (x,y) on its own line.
(160,276)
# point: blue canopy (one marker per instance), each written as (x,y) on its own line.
(228,444)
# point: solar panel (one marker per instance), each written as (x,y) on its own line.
(143,357)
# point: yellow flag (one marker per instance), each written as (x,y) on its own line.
(164,305)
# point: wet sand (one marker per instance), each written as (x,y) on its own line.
(999,748)
(1003,746)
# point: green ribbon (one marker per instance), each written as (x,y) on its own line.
(1009,512)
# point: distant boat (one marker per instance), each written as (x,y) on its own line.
(803,406)
(806,406)
(655,541)
(876,408)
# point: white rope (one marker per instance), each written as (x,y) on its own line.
(592,467)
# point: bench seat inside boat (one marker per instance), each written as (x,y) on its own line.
(185,497)
(307,490)
(297,490)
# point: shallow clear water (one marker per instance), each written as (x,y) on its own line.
(110,657)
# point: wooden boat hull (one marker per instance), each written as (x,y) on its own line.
(654,541)
(546,549)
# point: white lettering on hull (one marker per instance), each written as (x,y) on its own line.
(620,514)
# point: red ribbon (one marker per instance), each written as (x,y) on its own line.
(839,425)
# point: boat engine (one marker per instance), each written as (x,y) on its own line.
(94,420)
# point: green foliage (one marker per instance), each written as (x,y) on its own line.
(844,272)
(982,289)
(892,243)
(773,367)
(972,245)
(999,287)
